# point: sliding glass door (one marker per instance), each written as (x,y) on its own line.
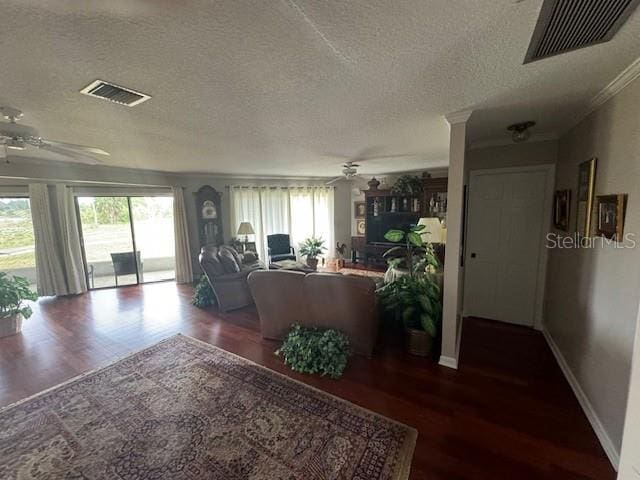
(126,240)
(155,240)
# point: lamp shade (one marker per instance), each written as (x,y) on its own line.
(432,232)
(245,228)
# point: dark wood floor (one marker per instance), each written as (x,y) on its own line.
(507,413)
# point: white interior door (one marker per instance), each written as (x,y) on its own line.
(507,220)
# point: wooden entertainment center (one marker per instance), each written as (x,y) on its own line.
(386,210)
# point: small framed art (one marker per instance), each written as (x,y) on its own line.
(611,211)
(561,209)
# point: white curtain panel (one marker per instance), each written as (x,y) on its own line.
(302,212)
(246,207)
(323,219)
(50,276)
(302,215)
(275,210)
(184,268)
(70,241)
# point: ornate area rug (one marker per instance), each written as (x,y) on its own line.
(183,409)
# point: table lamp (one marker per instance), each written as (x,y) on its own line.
(245,229)
(433,231)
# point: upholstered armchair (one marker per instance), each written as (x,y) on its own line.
(279,245)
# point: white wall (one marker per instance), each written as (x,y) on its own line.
(592,294)
(513,155)
(20,170)
(630,459)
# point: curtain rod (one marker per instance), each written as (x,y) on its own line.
(279,187)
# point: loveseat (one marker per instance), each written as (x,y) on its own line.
(227,272)
(344,302)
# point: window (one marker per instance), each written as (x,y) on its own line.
(17,245)
(301,212)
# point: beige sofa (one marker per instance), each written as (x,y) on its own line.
(344,302)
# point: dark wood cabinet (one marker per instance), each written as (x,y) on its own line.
(209,212)
(386,210)
(434,197)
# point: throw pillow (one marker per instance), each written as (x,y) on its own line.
(249,257)
(234,253)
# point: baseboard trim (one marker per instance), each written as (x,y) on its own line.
(449,362)
(596,424)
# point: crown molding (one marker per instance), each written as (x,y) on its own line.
(614,87)
(501,142)
(458,117)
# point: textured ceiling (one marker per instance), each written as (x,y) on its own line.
(277,87)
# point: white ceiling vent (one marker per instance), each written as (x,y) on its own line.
(114,93)
(566,25)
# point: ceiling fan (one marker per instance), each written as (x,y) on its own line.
(350,167)
(18,137)
(349,171)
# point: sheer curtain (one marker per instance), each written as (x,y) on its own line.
(323,219)
(49,269)
(302,212)
(70,241)
(184,268)
(275,210)
(302,222)
(246,207)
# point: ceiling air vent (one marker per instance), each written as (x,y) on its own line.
(566,25)
(114,93)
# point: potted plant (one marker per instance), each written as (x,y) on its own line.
(407,185)
(415,296)
(311,248)
(13,292)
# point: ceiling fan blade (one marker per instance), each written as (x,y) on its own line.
(77,156)
(335,180)
(72,146)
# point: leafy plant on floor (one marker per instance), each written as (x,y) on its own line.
(414,297)
(419,256)
(315,350)
(203,296)
(416,300)
(13,292)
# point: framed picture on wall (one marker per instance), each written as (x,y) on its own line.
(586,184)
(561,209)
(361,227)
(360,209)
(611,211)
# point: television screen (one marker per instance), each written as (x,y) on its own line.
(381,224)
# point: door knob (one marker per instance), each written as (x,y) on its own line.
(473,255)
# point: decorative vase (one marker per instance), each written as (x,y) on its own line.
(312,263)
(11,325)
(418,342)
(374,183)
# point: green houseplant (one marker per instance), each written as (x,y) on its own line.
(203,296)
(407,185)
(311,248)
(13,292)
(414,297)
(315,350)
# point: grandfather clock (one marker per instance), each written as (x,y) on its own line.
(209,212)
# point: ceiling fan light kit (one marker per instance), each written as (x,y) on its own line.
(520,131)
